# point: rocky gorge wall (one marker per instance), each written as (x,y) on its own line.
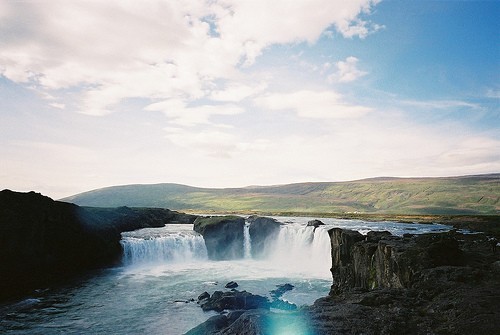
(440,283)
(381,260)
(43,241)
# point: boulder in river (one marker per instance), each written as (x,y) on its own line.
(315,223)
(223,236)
(233,300)
(261,229)
(231,284)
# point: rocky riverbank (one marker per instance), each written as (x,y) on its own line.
(43,241)
(444,283)
(447,283)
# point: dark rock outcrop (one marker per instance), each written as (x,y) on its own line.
(233,300)
(223,236)
(261,229)
(203,296)
(381,260)
(253,322)
(231,284)
(280,290)
(444,283)
(315,223)
(43,241)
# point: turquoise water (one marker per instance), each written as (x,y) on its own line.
(165,269)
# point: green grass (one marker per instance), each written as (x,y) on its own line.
(472,195)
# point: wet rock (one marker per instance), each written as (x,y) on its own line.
(203,296)
(280,290)
(234,300)
(315,223)
(231,284)
(257,321)
(223,236)
(261,229)
(211,326)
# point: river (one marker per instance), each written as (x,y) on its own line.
(155,288)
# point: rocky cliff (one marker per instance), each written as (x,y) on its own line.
(380,260)
(42,240)
(261,229)
(447,283)
(223,236)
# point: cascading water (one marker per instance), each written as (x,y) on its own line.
(302,249)
(170,244)
(247,242)
(170,264)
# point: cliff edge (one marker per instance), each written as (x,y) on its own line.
(43,241)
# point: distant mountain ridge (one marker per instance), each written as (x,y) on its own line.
(475,194)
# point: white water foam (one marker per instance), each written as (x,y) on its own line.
(170,244)
(302,249)
(247,242)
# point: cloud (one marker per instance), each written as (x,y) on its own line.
(109,51)
(439,104)
(472,152)
(180,114)
(492,93)
(347,71)
(313,104)
(214,143)
(58,105)
(235,92)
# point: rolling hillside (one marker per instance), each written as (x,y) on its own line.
(450,195)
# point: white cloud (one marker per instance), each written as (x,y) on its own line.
(213,142)
(471,152)
(236,92)
(182,115)
(58,105)
(493,93)
(313,104)
(438,104)
(347,71)
(113,50)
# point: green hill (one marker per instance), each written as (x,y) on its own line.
(445,196)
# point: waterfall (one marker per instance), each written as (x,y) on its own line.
(247,242)
(302,249)
(170,244)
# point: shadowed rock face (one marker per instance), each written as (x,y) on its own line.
(223,236)
(261,229)
(42,240)
(446,283)
(381,260)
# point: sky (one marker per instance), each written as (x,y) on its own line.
(232,93)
